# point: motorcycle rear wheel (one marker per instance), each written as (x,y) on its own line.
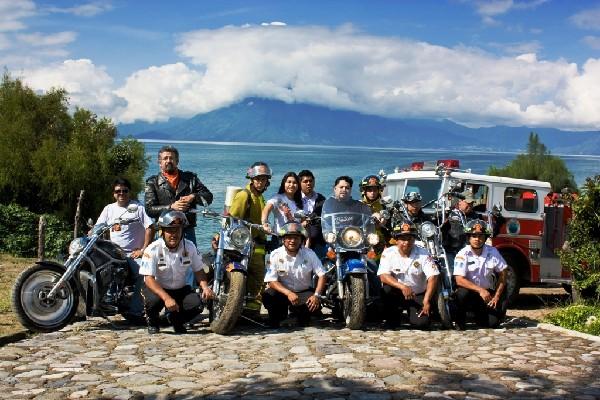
(226,313)
(355,304)
(33,309)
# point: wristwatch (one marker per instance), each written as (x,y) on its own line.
(318,296)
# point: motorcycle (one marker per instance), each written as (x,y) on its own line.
(229,270)
(46,296)
(350,232)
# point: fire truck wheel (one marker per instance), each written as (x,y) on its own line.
(513,284)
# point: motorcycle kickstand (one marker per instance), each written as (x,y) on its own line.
(253,321)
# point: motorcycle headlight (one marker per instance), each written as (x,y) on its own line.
(352,237)
(427,230)
(373,239)
(330,237)
(239,236)
(77,245)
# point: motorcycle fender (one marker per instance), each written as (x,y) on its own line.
(355,266)
(235,266)
(46,262)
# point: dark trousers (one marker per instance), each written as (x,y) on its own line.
(394,303)
(469,300)
(277,304)
(189,303)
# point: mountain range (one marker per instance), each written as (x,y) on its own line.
(272,121)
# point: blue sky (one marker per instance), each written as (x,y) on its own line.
(479,63)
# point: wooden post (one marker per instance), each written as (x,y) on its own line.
(41,238)
(78,214)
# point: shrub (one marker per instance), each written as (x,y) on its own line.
(19,233)
(580,317)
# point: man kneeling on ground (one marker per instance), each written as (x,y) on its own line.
(165,264)
(474,269)
(289,278)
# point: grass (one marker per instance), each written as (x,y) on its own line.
(10,267)
(582,317)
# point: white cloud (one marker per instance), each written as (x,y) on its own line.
(4,42)
(517,48)
(88,86)
(43,40)
(345,69)
(592,41)
(84,10)
(13,12)
(587,19)
(488,9)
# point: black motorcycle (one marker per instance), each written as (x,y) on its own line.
(46,296)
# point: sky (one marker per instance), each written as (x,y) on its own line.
(478,63)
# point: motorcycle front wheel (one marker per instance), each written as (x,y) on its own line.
(443,308)
(227,307)
(34,310)
(355,304)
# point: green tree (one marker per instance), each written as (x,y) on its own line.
(48,155)
(538,164)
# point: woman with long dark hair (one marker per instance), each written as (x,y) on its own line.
(284,204)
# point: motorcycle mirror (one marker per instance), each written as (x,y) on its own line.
(203,201)
(132,208)
(386,200)
(90,223)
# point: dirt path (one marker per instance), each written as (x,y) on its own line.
(536,302)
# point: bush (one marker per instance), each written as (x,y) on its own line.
(582,257)
(19,233)
(580,317)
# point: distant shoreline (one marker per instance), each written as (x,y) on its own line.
(325,146)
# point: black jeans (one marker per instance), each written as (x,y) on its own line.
(394,303)
(277,304)
(469,300)
(189,303)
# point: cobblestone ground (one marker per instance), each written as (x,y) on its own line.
(92,359)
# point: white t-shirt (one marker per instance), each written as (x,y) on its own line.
(169,268)
(131,236)
(280,203)
(412,271)
(479,269)
(295,273)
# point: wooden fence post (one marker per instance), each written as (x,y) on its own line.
(41,251)
(78,214)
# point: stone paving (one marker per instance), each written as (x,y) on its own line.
(92,359)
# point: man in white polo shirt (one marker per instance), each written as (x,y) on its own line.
(165,264)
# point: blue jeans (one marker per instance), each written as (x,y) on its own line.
(136,305)
(189,233)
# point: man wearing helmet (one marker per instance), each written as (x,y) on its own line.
(371,187)
(474,269)
(412,201)
(248,205)
(289,278)
(164,265)
(409,278)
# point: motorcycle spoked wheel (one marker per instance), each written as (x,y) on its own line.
(33,309)
(354,303)
(443,309)
(226,310)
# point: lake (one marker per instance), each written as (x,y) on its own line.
(219,165)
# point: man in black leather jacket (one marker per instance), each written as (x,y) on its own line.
(174,189)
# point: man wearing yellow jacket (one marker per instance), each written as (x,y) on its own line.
(248,205)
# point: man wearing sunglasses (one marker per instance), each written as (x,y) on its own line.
(132,238)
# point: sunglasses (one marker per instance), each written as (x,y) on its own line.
(121,191)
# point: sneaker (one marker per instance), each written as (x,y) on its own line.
(152,330)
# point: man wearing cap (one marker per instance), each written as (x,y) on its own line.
(409,278)
(474,269)
(290,278)
(248,205)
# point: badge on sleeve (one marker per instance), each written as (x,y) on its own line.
(416,264)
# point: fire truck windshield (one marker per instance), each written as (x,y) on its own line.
(428,188)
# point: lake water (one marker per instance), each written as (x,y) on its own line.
(219,165)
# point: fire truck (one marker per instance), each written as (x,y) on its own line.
(528,232)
